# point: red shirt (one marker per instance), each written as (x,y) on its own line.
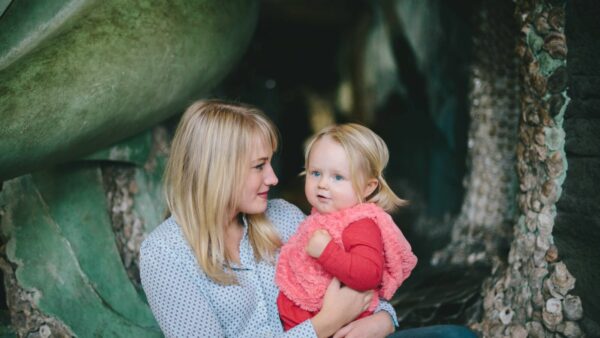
(358,265)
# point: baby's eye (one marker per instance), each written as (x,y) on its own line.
(338,177)
(315,173)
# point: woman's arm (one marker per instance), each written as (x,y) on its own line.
(179,307)
(378,325)
(340,306)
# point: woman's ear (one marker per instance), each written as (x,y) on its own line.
(371,185)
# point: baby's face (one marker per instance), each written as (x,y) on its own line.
(328,186)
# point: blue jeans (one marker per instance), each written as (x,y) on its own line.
(435,331)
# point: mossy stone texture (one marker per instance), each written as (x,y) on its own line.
(117,69)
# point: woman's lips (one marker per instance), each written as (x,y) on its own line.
(263,194)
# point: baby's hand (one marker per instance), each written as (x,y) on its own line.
(317,243)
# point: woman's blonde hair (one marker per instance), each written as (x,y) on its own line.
(368,156)
(205,175)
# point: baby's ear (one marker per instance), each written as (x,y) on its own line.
(371,185)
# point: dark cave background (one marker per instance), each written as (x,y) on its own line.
(303,48)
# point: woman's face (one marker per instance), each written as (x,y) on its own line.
(260,178)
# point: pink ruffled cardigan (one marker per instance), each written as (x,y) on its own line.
(303,280)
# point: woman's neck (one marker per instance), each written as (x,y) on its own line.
(233,237)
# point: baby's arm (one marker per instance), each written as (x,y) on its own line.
(359,263)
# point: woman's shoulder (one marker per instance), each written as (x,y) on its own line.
(166,237)
(167,244)
(285,216)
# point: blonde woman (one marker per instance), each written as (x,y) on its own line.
(208,270)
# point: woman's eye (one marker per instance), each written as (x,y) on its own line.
(260,166)
(338,177)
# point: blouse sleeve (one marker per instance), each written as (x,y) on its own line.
(302,330)
(387,307)
(177,303)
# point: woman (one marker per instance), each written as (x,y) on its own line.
(208,270)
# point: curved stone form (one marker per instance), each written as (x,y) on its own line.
(120,68)
(26,25)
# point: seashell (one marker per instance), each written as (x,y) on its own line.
(544,114)
(539,83)
(551,290)
(538,275)
(488,301)
(569,329)
(529,244)
(553,306)
(44,331)
(506,315)
(533,117)
(529,310)
(535,329)
(537,300)
(549,192)
(552,314)
(536,205)
(554,165)
(525,134)
(555,104)
(533,68)
(572,308)
(521,50)
(561,278)
(538,258)
(545,222)
(557,82)
(540,136)
(518,331)
(541,152)
(496,330)
(541,23)
(556,18)
(555,44)
(551,254)
(542,242)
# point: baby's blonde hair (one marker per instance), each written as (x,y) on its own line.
(204,177)
(368,156)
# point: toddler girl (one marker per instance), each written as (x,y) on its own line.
(349,234)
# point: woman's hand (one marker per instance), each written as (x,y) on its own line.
(317,243)
(374,326)
(340,306)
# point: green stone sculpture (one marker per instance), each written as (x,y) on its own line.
(76,76)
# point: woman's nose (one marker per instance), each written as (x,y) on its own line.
(270,177)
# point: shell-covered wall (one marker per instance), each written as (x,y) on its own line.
(518,168)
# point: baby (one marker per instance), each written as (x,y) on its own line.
(349,234)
